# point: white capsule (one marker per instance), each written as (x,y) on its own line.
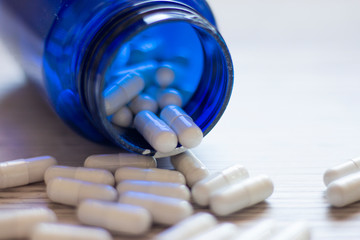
(71,192)
(189,165)
(149,174)
(20,222)
(189,134)
(117,217)
(222,231)
(24,171)
(80,173)
(120,93)
(166,189)
(164,210)
(56,231)
(143,102)
(165,75)
(202,190)
(188,227)
(261,231)
(342,170)
(169,96)
(241,195)
(344,191)
(123,117)
(296,231)
(156,132)
(112,162)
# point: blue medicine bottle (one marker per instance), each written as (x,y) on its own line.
(73,49)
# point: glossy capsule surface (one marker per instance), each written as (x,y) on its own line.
(164,210)
(241,195)
(117,217)
(202,190)
(155,131)
(122,91)
(20,222)
(112,162)
(24,171)
(93,175)
(189,165)
(189,227)
(71,192)
(56,231)
(149,174)
(166,189)
(344,191)
(341,170)
(188,133)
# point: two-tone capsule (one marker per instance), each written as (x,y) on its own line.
(24,171)
(188,133)
(149,174)
(112,162)
(156,132)
(72,192)
(164,210)
(166,189)
(56,231)
(20,222)
(202,190)
(241,195)
(189,165)
(189,227)
(116,217)
(93,175)
(344,191)
(341,170)
(122,91)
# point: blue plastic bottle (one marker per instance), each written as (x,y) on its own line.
(73,47)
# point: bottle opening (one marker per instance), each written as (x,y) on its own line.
(172,60)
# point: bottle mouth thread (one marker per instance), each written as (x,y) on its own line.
(207,104)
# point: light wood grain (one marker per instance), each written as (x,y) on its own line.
(294,112)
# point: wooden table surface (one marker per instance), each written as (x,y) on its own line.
(294,112)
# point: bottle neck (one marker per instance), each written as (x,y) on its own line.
(213,92)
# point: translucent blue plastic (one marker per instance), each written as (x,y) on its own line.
(76,47)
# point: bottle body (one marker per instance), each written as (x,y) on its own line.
(76,46)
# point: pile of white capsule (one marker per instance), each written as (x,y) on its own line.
(343,183)
(126,193)
(132,95)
